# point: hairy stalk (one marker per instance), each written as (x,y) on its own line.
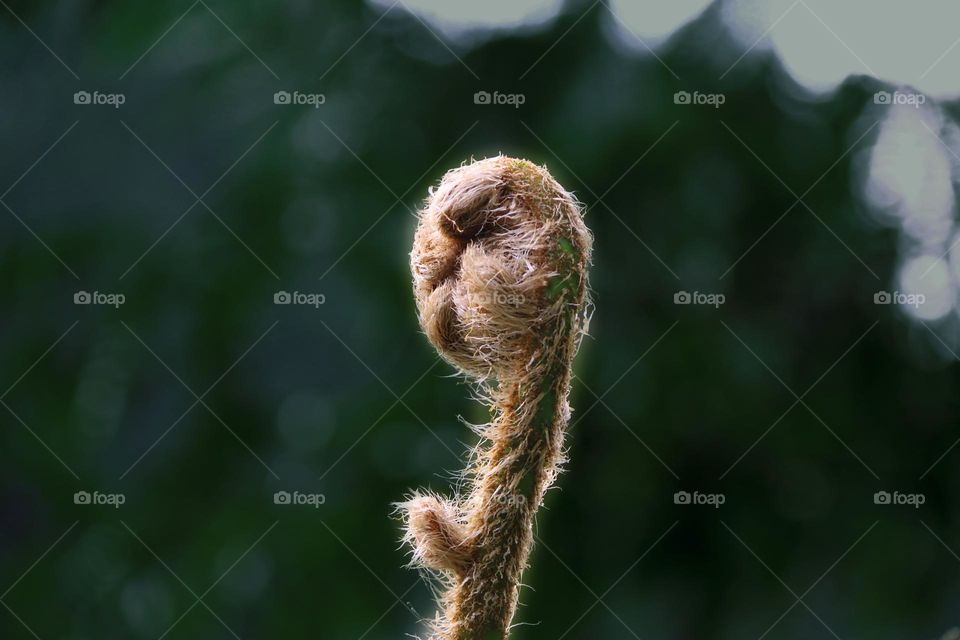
(500,276)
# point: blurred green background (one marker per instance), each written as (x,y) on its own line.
(197,399)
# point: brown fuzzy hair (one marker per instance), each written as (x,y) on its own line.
(499,266)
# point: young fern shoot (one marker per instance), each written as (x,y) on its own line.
(499,266)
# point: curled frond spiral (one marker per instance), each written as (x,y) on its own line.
(499,267)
